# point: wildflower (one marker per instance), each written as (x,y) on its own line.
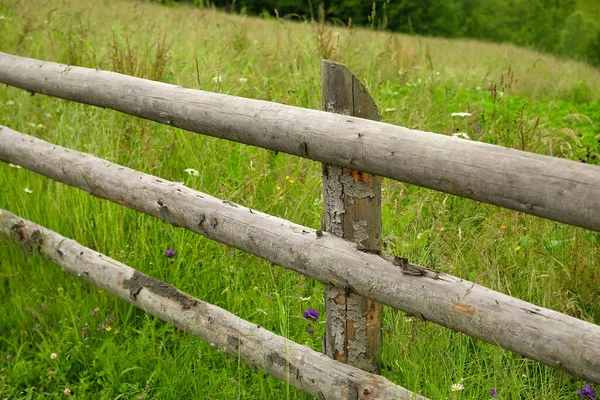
(461,114)
(309,330)
(291,181)
(192,171)
(287,177)
(461,135)
(587,392)
(170,253)
(51,373)
(493,393)
(503,227)
(311,314)
(14,166)
(9,357)
(40,126)
(108,328)
(243,80)
(218,79)
(456,387)
(67,392)
(278,187)
(95,312)
(38,326)
(10,103)
(280,197)
(84,331)
(517,248)
(54,356)
(28,191)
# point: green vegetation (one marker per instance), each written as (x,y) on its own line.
(563,27)
(108,349)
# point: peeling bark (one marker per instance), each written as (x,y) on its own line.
(352,211)
(288,361)
(537,333)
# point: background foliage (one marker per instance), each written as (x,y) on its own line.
(563,27)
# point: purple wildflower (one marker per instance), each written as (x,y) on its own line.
(38,326)
(493,393)
(309,330)
(587,392)
(170,253)
(311,314)
(9,357)
(84,331)
(95,312)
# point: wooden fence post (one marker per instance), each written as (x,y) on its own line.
(352,202)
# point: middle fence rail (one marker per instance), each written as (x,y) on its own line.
(540,334)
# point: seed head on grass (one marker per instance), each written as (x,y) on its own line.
(170,253)
(311,314)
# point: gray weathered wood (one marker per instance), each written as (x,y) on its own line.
(288,361)
(541,334)
(548,187)
(352,211)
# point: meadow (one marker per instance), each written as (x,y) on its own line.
(108,349)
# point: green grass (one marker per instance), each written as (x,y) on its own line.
(544,104)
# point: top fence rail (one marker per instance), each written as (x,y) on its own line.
(548,187)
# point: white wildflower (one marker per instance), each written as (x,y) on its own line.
(457,387)
(54,356)
(28,191)
(192,171)
(461,135)
(243,80)
(217,79)
(461,114)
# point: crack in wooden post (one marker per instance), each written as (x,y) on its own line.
(352,202)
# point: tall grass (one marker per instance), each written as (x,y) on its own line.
(108,349)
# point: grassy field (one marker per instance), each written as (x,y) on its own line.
(108,349)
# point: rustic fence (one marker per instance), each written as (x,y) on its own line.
(553,188)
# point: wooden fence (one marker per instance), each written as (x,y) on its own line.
(549,187)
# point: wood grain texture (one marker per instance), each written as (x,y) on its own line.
(538,333)
(288,361)
(548,187)
(352,211)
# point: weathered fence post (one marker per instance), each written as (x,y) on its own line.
(352,202)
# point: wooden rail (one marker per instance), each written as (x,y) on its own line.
(540,334)
(302,367)
(548,187)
